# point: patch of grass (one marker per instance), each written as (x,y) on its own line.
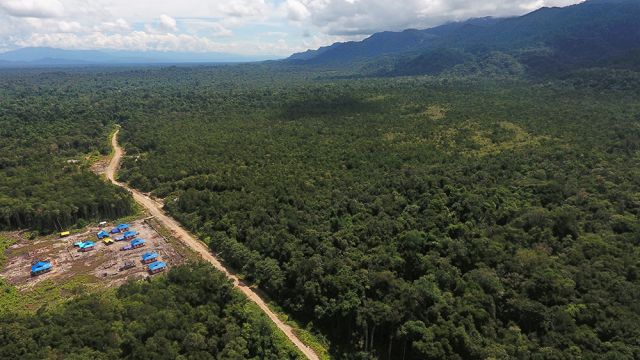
(5,242)
(319,345)
(10,299)
(390,136)
(138,212)
(377,98)
(310,339)
(505,137)
(92,158)
(253,312)
(436,112)
(445,139)
(113,131)
(47,292)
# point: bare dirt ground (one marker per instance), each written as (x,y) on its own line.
(100,167)
(102,263)
(154,207)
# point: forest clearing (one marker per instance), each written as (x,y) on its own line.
(102,265)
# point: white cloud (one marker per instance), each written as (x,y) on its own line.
(206,27)
(33,8)
(168,23)
(139,40)
(142,40)
(54,25)
(244,8)
(118,25)
(243,26)
(345,17)
(296,10)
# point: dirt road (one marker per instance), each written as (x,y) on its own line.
(180,233)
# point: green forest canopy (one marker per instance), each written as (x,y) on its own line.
(193,313)
(47,127)
(415,218)
(411,218)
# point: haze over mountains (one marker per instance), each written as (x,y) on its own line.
(548,40)
(44,56)
(596,32)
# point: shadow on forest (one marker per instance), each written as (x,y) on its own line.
(327,105)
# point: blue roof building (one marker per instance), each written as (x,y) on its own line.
(137,243)
(115,230)
(149,257)
(41,267)
(157,266)
(130,234)
(119,238)
(86,246)
(102,234)
(123,227)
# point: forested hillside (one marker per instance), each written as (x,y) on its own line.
(48,124)
(193,313)
(413,218)
(545,42)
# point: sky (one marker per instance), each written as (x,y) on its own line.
(249,27)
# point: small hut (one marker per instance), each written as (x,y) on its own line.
(87,246)
(130,234)
(149,257)
(40,268)
(137,243)
(156,267)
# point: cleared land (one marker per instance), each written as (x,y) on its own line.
(101,265)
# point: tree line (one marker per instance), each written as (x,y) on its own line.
(192,313)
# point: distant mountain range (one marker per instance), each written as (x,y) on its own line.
(44,56)
(595,33)
(592,33)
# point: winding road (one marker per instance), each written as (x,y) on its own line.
(198,246)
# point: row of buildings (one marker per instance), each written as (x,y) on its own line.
(149,258)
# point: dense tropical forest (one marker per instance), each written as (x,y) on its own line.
(400,218)
(47,128)
(469,191)
(193,313)
(413,218)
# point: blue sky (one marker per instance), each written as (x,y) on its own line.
(251,27)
